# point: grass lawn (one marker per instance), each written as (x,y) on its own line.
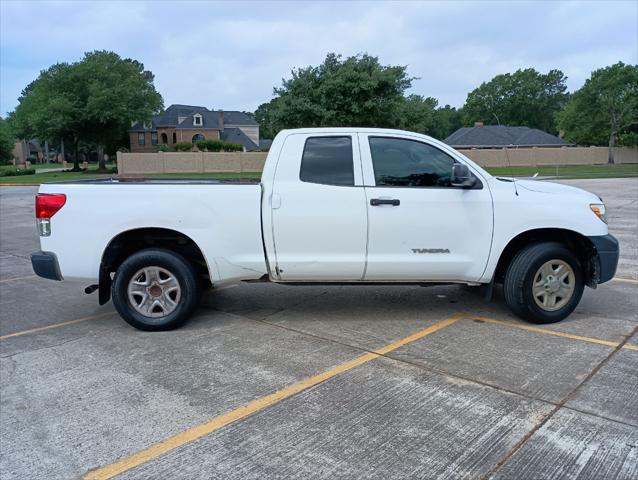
(40,166)
(569,171)
(36,166)
(564,171)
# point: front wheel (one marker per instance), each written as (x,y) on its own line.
(544,283)
(155,289)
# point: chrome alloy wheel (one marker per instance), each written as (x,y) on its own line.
(154,292)
(554,285)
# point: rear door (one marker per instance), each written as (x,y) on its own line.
(420,227)
(318,204)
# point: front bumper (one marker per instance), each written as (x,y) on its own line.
(45,265)
(606,256)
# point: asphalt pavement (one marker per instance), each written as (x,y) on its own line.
(272,381)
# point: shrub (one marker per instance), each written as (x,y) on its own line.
(232,147)
(183,147)
(14,172)
(218,146)
(215,145)
(209,145)
(164,148)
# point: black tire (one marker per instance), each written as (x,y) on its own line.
(179,267)
(519,279)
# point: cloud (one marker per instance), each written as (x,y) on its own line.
(231,54)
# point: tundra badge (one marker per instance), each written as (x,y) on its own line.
(430,250)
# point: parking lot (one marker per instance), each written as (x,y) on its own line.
(272,381)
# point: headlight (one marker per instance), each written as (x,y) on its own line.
(599,210)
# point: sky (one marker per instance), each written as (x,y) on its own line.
(231,54)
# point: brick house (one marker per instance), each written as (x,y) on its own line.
(189,123)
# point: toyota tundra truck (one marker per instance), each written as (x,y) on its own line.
(354,206)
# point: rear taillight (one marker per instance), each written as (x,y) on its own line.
(47,205)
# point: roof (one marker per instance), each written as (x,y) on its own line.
(265,143)
(502,136)
(234,117)
(210,118)
(235,135)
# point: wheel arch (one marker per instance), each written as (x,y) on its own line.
(577,242)
(128,242)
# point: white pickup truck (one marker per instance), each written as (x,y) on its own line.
(334,206)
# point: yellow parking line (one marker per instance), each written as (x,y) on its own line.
(55,325)
(545,331)
(626,280)
(187,436)
(17,278)
(629,346)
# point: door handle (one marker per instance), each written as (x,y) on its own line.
(375,202)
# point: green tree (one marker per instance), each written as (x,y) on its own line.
(116,92)
(604,109)
(417,114)
(267,128)
(49,108)
(525,97)
(93,100)
(446,121)
(356,91)
(7,141)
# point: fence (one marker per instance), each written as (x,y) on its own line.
(536,157)
(189,162)
(237,162)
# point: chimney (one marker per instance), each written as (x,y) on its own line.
(221,120)
(478,124)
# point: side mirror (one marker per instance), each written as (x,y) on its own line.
(461,176)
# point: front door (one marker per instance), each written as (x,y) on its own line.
(319,209)
(420,227)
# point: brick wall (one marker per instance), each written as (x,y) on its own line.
(181,135)
(147,147)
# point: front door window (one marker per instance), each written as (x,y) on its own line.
(399,162)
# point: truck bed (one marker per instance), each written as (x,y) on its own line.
(224,222)
(160,181)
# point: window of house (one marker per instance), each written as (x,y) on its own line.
(400,162)
(174,137)
(164,138)
(197,137)
(197,120)
(328,160)
(154,138)
(140,138)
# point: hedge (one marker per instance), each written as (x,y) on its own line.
(218,146)
(204,146)
(15,172)
(183,147)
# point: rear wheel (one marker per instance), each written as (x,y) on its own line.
(544,283)
(155,289)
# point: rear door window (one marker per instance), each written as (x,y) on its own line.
(328,161)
